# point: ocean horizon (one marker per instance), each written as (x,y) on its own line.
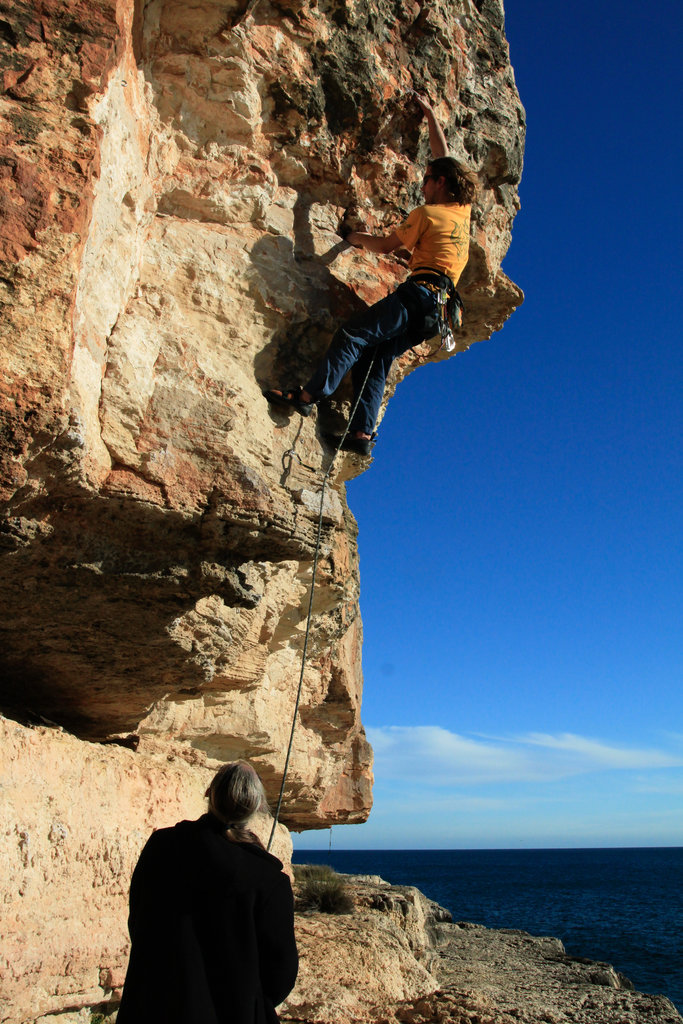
(620,905)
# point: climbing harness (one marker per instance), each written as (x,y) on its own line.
(292,454)
(450,304)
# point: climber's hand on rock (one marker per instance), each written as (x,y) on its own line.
(437,139)
(422,102)
(350,227)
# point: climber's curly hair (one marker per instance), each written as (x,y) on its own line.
(460,183)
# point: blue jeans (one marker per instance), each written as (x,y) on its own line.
(380,332)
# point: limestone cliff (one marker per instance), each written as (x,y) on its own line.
(171,179)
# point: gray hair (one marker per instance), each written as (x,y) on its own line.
(235,794)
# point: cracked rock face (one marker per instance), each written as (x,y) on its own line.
(172,178)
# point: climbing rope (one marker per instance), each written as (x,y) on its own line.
(292,454)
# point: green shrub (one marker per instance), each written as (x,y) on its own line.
(320,872)
(327,895)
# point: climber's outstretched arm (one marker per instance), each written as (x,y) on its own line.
(437,139)
(375,243)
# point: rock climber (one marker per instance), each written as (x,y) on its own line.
(438,234)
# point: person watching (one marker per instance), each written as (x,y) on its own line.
(211,917)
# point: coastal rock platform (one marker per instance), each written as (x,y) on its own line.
(513,976)
(399,958)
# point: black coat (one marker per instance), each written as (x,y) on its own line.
(212,930)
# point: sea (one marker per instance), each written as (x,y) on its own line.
(621,906)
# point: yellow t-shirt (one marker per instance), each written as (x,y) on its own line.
(439,236)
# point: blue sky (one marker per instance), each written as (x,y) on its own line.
(520,527)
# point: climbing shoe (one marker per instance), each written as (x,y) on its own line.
(358,445)
(289,398)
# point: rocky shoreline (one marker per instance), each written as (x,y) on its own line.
(399,957)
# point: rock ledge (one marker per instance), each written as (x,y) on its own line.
(400,958)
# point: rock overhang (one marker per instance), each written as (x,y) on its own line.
(152,518)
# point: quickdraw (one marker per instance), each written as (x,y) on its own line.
(447,336)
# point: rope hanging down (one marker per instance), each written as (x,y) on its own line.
(276,816)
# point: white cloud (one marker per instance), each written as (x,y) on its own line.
(417,752)
(598,754)
(439,758)
(658,785)
(439,789)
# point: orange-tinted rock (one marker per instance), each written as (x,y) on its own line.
(172,185)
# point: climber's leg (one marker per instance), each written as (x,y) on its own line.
(365,416)
(421,324)
(382,321)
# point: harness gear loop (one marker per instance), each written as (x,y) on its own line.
(450,303)
(292,453)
